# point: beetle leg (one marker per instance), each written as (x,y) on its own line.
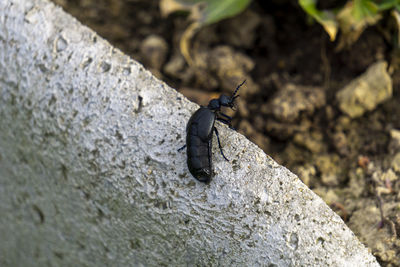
(224,121)
(180,149)
(219,144)
(226,116)
(227,122)
(210,156)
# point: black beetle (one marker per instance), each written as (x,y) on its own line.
(199,133)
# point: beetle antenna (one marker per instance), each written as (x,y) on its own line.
(237,89)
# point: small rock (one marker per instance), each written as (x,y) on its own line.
(283,131)
(331,197)
(383,181)
(388,255)
(292,99)
(394,144)
(330,179)
(240,31)
(175,65)
(340,142)
(366,92)
(389,175)
(328,195)
(176,68)
(396,162)
(307,174)
(312,141)
(343,123)
(356,184)
(154,51)
(224,58)
(231,68)
(329,167)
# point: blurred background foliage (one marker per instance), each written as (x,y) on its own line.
(351,18)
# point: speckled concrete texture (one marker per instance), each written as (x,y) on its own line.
(90,174)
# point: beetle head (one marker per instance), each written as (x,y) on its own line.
(224,101)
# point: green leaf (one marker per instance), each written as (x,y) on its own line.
(325,18)
(363,9)
(206,11)
(217,10)
(354,18)
(309,6)
(388,4)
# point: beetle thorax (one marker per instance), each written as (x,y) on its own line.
(214,104)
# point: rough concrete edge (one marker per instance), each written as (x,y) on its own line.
(267,214)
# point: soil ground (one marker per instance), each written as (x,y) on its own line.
(288,105)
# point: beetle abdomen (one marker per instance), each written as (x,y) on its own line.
(198,158)
(198,140)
